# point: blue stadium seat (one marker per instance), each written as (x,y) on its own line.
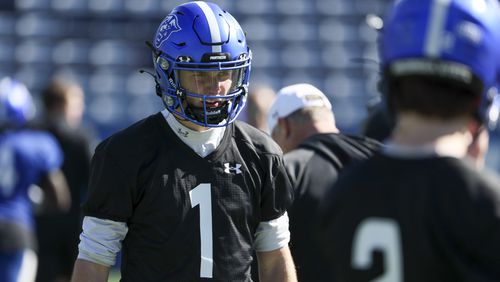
(33,4)
(70,6)
(336,8)
(140,85)
(71,51)
(35,24)
(297,29)
(34,77)
(167,6)
(337,30)
(107,81)
(255,7)
(108,7)
(7,52)
(294,7)
(113,52)
(33,51)
(259,29)
(297,55)
(143,7)
(7,24)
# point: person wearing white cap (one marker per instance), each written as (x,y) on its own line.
(299,111)
(303,124)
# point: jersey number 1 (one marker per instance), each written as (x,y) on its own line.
(202,196)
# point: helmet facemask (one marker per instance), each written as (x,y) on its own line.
(208,94)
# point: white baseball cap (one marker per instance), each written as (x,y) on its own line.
(295,97)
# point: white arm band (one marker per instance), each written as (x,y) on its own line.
(272,235)
(101,240)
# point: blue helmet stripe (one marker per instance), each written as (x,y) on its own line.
(435,28)
(213,25)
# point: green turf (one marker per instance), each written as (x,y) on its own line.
(114,276)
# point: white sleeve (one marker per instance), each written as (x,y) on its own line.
(272,235)
(101,240)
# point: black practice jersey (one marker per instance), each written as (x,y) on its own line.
(188,217)
(313,168)
(427,219)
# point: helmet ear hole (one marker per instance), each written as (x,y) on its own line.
(163,63)
(169,101)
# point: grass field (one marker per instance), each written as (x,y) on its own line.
(114,276)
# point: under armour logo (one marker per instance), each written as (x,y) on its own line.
(184,59)
(235,169)
(182,133)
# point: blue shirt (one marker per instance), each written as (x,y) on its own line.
(25,156)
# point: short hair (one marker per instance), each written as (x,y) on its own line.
(433,97)
(55,94)
(311,115)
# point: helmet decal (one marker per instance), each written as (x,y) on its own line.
(168,26)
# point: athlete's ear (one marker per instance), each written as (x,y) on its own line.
(284,125)
(479,146)
(475,127)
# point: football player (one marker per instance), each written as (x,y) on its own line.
(188,194)
(303,124)
(421,210)
(27,157)
(63,105)
(260,99)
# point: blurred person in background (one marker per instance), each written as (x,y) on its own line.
(188,194)
(57,233)
(27,157)
(303,124)
(420,210)
(380,123)
(260,99)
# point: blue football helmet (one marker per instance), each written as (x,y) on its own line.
(16,103)
(202,64)
(455,39)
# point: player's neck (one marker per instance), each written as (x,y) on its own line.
(189,124)
(445,137)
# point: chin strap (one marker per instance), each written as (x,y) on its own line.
(214,115)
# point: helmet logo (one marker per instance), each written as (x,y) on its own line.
(184,59)
(168,26)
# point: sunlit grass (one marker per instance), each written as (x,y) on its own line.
(114,276)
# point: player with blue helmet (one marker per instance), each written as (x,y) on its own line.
(189,193)
(196,48)
(459,43)
(27,157)
(421,209)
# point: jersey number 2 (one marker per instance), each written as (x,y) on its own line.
(380,234)
(202,196)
